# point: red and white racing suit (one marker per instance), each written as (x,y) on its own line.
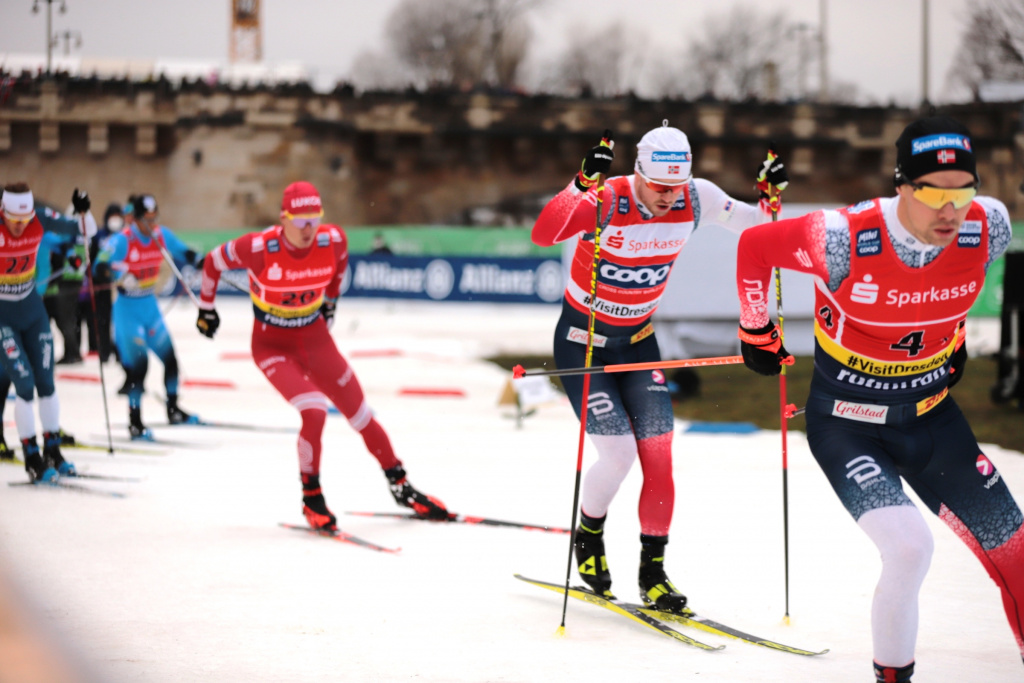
(630,413)
(291,344)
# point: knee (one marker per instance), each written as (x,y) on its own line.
(313,419)
(912,554)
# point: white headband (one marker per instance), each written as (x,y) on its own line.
(18,203)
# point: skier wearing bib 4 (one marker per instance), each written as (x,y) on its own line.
(295,273)
(895,279)
(647,219)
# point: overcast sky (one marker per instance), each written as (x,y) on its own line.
(874,44)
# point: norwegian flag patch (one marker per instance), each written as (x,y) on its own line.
(946,156)
(673,170)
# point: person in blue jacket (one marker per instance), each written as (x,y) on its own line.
(132,259)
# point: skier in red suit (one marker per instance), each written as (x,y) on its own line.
(895,279)
(295,272)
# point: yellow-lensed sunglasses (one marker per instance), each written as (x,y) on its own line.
(937,197)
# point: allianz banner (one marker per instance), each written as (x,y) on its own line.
(509,280)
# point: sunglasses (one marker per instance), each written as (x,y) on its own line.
(662,188)
(20,219)
(303,222)
(938,197)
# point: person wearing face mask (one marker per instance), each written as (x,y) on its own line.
(295,273)
(131,261)
(646,219)
(895,278)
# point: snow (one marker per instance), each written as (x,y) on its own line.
(189,577)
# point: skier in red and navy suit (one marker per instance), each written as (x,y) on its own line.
(295,272)
(647,218)
(895,280)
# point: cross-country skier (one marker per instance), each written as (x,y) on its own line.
(895,277)
(647,218)
(26,340)
(295,271)
(132,259)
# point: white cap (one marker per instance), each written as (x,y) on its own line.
(18,203)
(664,154)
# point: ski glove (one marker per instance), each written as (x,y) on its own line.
(597,162)
(81,201)
(762,349)
(103,273)
(772,179)
(959,359)
(208,322)
(327,309)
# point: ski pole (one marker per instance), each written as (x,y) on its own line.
(607,141)
(518,371)
(177,273)
(95,316)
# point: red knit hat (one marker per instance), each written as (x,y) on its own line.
(301,199)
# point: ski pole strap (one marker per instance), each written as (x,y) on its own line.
(769,340)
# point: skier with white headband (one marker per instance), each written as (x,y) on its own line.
(646,220)
(25,335)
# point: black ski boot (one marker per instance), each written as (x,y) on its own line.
(177,416)
(423,505)
(35,465)
(889,674)
(590,558)
(53,457)
(66,439)
(137,430)
(314,507)
(655,588)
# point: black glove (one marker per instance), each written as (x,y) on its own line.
(208,322)
(75,261)
(327,311)
(56,261)
(762,349)
(80,200)
(193,259)
(772,179)
(957,365)
(102,273)
(597,162)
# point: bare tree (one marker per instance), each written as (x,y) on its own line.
(451,43)
(992,47)
(592,63)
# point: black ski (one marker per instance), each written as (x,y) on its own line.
(217,424)
(156,442)
(118,448)
(342,536)
(624,609)
(464,519)
(67,485)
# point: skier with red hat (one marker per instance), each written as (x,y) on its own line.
(295,273)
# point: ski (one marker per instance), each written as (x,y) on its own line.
(67,485)
(710,626)
(624,609)
(101,477)
(135,443)
(118,448)
(341,536)
(12,461)
(464,519)
(217,424)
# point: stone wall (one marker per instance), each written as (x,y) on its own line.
(218,158)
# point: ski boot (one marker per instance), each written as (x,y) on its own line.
(137,430)
(890,674)
(5,452)
(314,507)
(52,454)
(66,439)
(35,465)
(590,558)
(177,416)
(655,588)
(423,505)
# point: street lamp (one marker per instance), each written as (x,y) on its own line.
(51,40)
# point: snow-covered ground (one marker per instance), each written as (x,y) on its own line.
(189,577)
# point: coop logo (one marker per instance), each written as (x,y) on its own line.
(940,141)
(970,234)
(864,292)
(645,277)
(869,242)
(666,157)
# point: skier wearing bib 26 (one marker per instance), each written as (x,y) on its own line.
(895,279)
(647,219)
(295,273)
(132,258)
(25,335)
